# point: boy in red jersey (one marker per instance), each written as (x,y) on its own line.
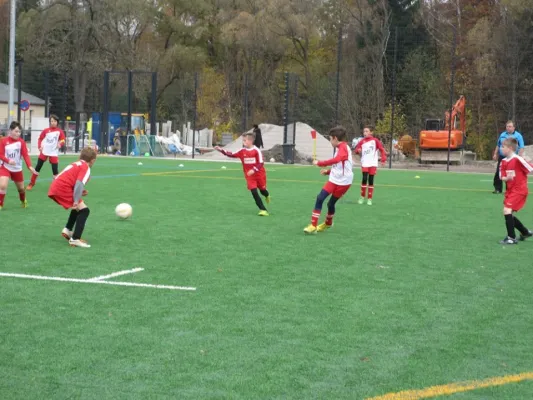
(12,150)
(514,170)
(340,180)
(67,190)
(369,147)
(254,170)
(49,143)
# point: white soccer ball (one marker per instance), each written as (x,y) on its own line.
(272,159)
(123,210)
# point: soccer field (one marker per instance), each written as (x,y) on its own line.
(408,294)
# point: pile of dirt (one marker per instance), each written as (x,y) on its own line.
(276,153)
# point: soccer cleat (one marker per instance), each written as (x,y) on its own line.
(24,204)
(78,243)
(323,227)
(263,213)
(30,186)
(310,229)
(267,199)
(527,235)
(361,200)
(369,202)
(509,240)
(66,233)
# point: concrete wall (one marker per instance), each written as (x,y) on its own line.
(36,111)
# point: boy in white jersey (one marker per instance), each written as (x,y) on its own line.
(49,143)
(340,180)
(369,147)
(12,150)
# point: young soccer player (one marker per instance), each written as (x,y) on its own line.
(49,143)
(514,170)
(67,191)
(12,150)
(340,180)
(254,170)
(369,147)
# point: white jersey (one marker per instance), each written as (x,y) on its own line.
(341,166)
(369,148)
(49,139)
(13,149)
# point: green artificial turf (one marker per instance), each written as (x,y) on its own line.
(412,292)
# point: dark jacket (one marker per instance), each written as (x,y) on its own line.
(258,142)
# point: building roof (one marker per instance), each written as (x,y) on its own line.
(4,96)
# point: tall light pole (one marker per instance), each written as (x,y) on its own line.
(13,21)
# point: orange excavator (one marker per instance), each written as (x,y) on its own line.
(433,141)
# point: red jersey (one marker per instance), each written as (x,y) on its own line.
(251,158)
(51,138)
(517,168)
(369,147)
(16,150)
(64,183)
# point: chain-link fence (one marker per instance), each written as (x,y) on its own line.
(403,83)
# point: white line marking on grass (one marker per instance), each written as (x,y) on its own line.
(115,274)
(59,279)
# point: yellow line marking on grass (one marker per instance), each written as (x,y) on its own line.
(233,178)
(187,172)
(452,388)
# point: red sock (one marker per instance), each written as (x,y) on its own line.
(33,179)
(329,219)
(363,190)
(370,192)
(315,217)
(2,197)
(22,195)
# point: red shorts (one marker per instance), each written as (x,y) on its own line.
(52,159)
(257,180)
(336,190)
(515,201)
(14,176)
(64,200)
(370,170)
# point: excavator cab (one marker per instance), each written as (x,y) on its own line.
(434,124)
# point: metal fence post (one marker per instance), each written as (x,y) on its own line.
(452,77)
(393,95)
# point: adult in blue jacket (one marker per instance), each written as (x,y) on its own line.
(510,132)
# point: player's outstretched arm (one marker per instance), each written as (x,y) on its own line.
(382,151)
(26,156)
(342,155)
(3,152)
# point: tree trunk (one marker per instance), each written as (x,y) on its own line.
(79,80)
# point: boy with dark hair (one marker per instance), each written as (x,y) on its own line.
(49,143)
(12,150)
(369,147)
(67,191)
(513,171)
(254,170)
(340,180)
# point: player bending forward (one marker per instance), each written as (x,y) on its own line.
(12,150)
(514,170)
(254,170)
(67,190)
(340,179)
(369,147)
(49,143)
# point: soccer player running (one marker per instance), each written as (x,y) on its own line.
(369,147)
(254,170)
(12,150)
(513,171)
(67,191)
(49,143)
(340,180)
